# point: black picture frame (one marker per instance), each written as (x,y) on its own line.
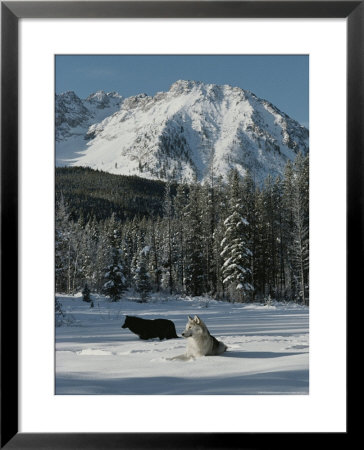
(11,12)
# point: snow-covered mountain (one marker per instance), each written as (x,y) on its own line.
(74,116)
(182,133)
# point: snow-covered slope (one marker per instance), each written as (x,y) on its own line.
(185,132)
(74,116)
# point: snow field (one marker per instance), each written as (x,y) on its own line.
(267,349)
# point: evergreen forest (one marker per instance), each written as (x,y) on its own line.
(233,240)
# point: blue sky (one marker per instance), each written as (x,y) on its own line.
(281,79)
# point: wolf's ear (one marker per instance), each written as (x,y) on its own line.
(190,319)
(197,320)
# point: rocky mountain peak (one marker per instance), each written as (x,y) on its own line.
(183,132)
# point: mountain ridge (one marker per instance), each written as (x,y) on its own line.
(182,133)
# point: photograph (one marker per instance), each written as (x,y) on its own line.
(181,224)
(181,221)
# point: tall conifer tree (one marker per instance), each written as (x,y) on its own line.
(235,251)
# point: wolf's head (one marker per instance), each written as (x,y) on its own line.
(126,323)
(194,327)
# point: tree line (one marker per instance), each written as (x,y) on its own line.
(95,194)
(233,240)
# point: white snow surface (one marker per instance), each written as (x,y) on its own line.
(184,132)
(267,348)
(74,116)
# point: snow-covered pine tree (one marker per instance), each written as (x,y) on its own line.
(272,238)
(69,250)
(127,247)
(235,251)
(168,241)
(260,246)
(63,247)
(79,253)
(88,255)
(86,294)
(279,224)
(296,227)
(66,248)
(103,256)
(300,249)
(115,280)
(249,211)
(194,275)
(288,229)
(75,248)
(154,267)
(141,276)
(221,196)
(180,204)
(115,283)
(208,224)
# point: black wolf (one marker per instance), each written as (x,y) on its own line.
(148,329)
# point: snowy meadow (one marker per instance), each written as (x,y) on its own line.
(268,348)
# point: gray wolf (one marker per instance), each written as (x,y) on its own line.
(199,340)
(148,329)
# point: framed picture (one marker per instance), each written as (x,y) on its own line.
(23,165)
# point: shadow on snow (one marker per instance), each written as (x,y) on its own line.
(278,383)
